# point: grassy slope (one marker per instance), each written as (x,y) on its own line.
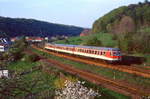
(94,69)
(45,81)
(105,38)
(107,41)
(103,71)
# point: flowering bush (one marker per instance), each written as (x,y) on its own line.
(75,90)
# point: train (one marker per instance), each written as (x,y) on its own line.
(103,53)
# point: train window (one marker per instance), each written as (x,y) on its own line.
(103,53)
(95,52)
(92,52)
(88,51)
(79,50)
(100,52)
(117,53)
(114,53)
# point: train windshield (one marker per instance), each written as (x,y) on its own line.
(116,53)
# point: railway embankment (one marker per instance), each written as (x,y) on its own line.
(130,87)
(123,68)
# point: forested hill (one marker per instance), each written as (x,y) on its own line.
(124,19)
(30,27)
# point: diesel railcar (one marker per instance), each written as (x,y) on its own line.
(104,53)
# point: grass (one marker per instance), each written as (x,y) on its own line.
(43,81)
(105,93)
(71,40)
(21,66)
(106,39)
(103,71)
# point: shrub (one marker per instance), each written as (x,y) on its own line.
(75,90)
(31,58)
(93,41)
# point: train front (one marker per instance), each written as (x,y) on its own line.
(116,55)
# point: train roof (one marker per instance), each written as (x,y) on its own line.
(88,47)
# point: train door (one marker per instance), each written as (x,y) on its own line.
(108,53)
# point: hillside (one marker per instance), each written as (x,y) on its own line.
(31,27)
(130,26)
(124,19)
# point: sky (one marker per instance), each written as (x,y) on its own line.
(81,13)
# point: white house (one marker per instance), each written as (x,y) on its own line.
(2,47)
(3,44)
(4,73)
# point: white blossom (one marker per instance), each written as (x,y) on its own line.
(75,90)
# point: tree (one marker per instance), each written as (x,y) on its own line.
(146,1)
(93,41)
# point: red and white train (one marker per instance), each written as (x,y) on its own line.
(109,54)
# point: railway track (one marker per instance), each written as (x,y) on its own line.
(129,69)
(114,85)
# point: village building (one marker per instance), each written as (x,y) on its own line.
(34,39)
(14,39)
(4,44)
(4,73)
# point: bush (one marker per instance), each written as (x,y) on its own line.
(30,58)
(93,41)
(135,42)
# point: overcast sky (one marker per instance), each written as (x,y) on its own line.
(72,12)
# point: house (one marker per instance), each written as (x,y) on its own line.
(3,47)
(4,73)
(4,44)
(14,39)
(34,39)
